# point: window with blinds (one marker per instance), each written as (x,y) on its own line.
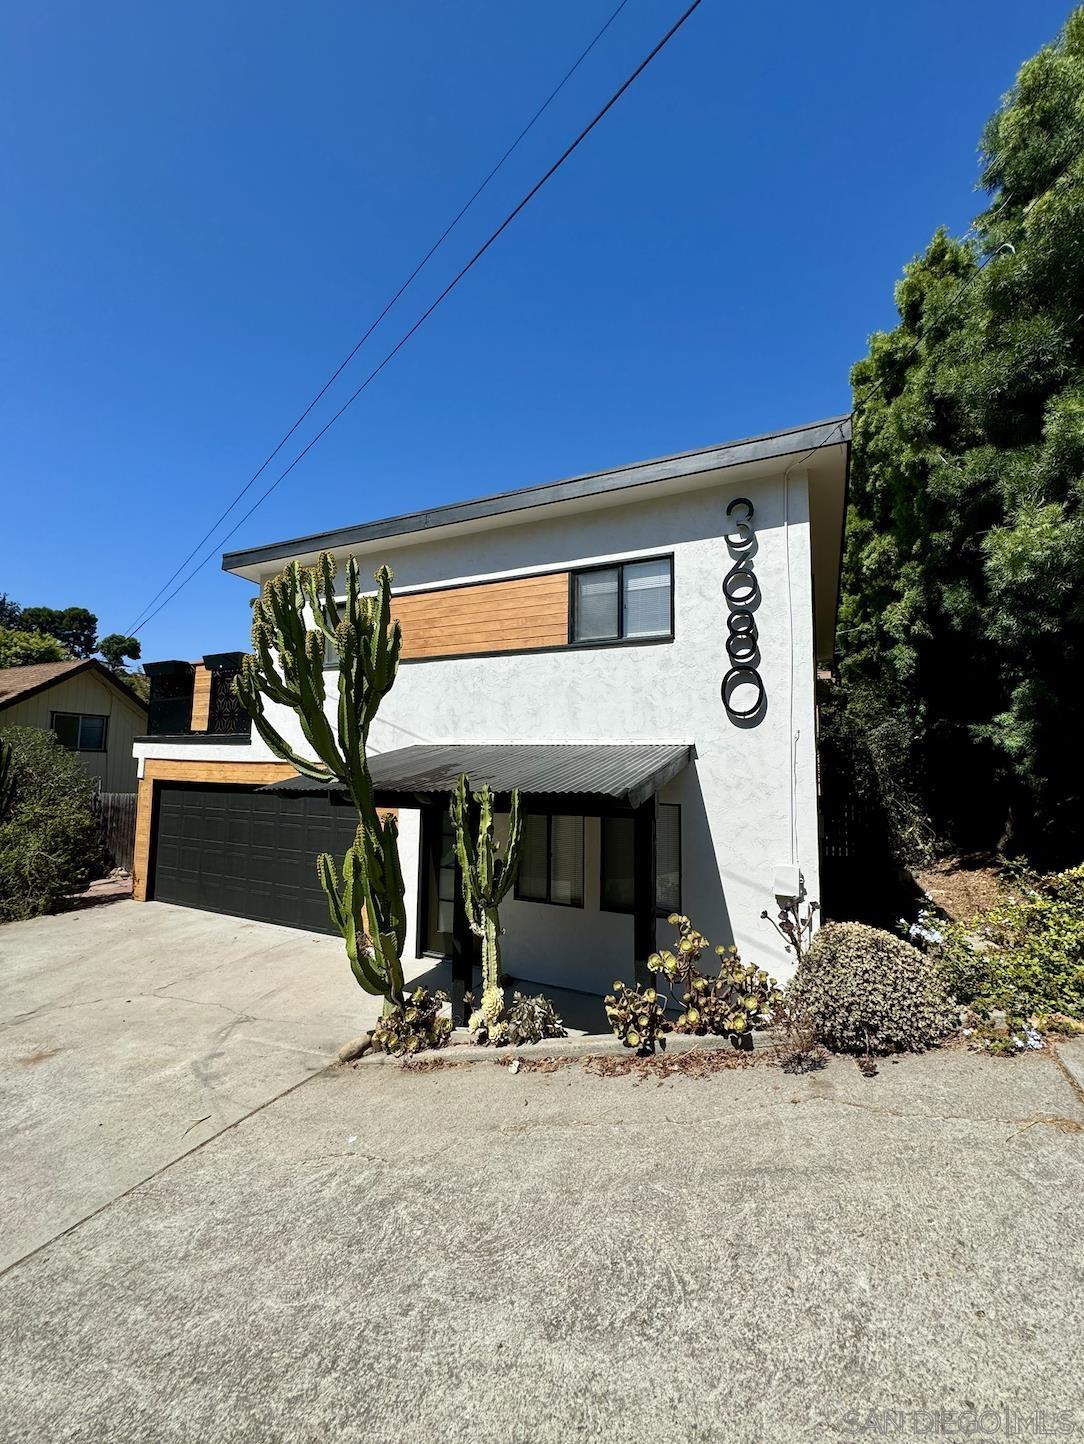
(551,860)
(628,602)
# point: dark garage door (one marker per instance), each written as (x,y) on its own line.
(235,850)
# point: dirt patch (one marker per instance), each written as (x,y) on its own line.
(962,886)
(696,1063)
(40,1055)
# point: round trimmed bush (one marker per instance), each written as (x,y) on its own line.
(864,991)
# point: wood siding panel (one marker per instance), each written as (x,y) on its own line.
(201,698)
(522,613)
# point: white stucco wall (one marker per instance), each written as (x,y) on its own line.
(737,814)
(748,800)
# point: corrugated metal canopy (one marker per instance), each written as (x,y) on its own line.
(625,773)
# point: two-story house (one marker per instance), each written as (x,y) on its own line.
(634,649)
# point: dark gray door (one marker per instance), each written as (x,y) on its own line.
(253,854)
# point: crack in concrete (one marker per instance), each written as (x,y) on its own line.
(51,1008)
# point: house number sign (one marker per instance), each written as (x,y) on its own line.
(742,592)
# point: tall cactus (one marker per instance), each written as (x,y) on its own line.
(7,778)
(294,619)
(486,879)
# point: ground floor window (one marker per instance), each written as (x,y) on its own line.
(616,892)
(551,860)
(80,731)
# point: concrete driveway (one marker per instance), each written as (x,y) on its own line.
(463,1254)
(134,1032)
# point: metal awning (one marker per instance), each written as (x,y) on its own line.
(622,774)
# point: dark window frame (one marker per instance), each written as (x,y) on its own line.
(620,640)
(101,717)
(660,911)
(549,900)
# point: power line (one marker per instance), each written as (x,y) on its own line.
(479,253)
(430,253)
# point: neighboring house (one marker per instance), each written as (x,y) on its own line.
(92,713)
(572,640)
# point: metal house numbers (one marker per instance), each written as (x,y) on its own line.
(742,592)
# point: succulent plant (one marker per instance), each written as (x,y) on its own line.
(413,1025)
(525,1020)
(638,1017)
(735,1002)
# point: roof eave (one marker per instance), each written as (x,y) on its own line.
(831,431)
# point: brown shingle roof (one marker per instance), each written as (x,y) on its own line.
(16,683)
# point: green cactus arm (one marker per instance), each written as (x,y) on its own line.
(281,748)
(365,962)
(329,881)
(464,850)
(510,864)
(484,852)
(393,881)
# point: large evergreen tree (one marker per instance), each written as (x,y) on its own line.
(962,625)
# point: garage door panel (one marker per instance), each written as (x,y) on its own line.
(251,854)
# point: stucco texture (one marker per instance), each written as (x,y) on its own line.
(738,820)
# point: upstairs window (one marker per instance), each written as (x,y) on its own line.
(630,601)
(551,860)
(80,731)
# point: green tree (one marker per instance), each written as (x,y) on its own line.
(74,627)
(962,620)
(10,611)
(116,647)
(20,649)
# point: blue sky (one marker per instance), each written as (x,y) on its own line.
(206,204)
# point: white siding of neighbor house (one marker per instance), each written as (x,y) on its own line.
(749,791)
(115,768)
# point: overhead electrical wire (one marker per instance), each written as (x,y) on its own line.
(146,614)
(430,253)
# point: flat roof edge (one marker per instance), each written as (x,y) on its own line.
(770,445)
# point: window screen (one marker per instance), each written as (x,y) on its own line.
(596,609)
(551,860)
(532,880)
(617,888)
(647,599)
(668,858)
(92,734)
(566,861)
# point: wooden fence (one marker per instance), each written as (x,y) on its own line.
(117,814)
